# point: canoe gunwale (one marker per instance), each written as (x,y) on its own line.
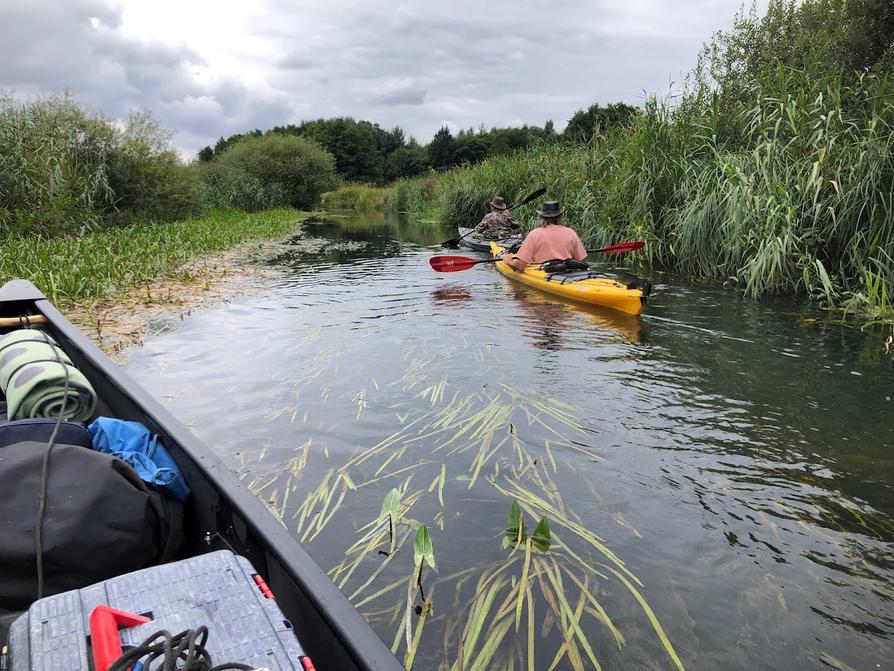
(221,508)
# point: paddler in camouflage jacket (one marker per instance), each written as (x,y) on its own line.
(497,223)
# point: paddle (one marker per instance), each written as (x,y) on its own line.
(454,243)
(453,264)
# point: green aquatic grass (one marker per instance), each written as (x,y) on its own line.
(69,269)
(357,197)
(549,590)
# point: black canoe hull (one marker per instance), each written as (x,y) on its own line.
(481,244)
(221,510)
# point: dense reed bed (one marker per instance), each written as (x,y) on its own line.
(358,197)
(95,264)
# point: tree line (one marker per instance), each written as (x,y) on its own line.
(365,152)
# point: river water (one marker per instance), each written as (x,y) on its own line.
(718,471)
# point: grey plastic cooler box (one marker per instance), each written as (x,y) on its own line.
(217,590)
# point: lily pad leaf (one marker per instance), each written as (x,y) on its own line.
(542,536)
(423,551)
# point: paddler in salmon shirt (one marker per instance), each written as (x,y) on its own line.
(552,239)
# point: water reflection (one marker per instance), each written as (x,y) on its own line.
(547,318)
(451,296)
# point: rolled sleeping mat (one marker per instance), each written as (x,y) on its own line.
(33,369)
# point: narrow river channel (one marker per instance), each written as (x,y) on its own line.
(719,466)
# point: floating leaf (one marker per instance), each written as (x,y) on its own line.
(422,548)
(542,536)
(391,505)
(516,532)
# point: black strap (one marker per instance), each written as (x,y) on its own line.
(45,341)
(67,365)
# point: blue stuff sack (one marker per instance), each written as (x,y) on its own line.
(132,442)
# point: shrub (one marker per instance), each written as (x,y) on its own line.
(301,168)
(224,186)
(65,170)
(147,177)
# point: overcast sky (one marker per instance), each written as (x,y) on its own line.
(210,68)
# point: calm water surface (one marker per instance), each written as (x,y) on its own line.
(735,457)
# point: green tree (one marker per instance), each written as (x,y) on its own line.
(407,161)
(222,144)
(596,118)
(441,149)
(469,148)
(205,154)
(302,168)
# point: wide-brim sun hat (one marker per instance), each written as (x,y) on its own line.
(551,209)
(498,203)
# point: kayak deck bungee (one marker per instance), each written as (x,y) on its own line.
(482,244)
(580,286)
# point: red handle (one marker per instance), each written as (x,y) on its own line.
(106,643)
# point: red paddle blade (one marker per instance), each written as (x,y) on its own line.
(622,248)
(451,264)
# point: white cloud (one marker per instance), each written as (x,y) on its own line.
(208,69)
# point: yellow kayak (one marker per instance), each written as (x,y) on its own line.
(628,298)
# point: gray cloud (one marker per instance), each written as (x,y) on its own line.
(414,64)
(296,61)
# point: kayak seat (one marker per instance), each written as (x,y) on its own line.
(556,266)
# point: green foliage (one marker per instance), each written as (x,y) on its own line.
(301,168)
(233,187)
(596,119)
(355,197)
(365,152)
(409,160)
(391,506)
(441,149)
(64,170)
(542,536)
(391,512)
(516,533)
(98,263)
(419,197)
(147,177)
(354,144)
(423,550)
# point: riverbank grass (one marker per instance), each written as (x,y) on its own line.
(69,270)
(355,197)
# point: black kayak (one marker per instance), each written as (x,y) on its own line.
(220,514)
(481,243)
